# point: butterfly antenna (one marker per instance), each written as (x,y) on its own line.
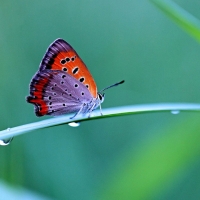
(116,84)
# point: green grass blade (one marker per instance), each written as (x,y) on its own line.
(184,19)
(111,112)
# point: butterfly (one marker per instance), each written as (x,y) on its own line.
(63,83)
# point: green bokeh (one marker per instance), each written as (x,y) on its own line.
(130,40)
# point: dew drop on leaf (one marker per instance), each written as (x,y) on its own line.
(175,112)
(74,124)
(6,142)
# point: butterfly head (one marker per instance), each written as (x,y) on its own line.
(101,97)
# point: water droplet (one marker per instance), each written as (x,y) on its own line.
(6,142)
(74,124)
(175,112)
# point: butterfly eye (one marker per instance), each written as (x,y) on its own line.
(101,97)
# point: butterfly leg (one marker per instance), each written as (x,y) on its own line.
(78,111)
(92,108)
(100,109)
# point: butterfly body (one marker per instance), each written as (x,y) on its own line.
(63,84)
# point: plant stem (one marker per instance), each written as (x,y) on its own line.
(109,112)
(183,18)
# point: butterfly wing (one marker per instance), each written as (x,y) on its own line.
(56,92)
(61,56)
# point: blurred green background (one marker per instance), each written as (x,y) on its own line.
(147,156)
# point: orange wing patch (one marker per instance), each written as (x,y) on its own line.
(61,56)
